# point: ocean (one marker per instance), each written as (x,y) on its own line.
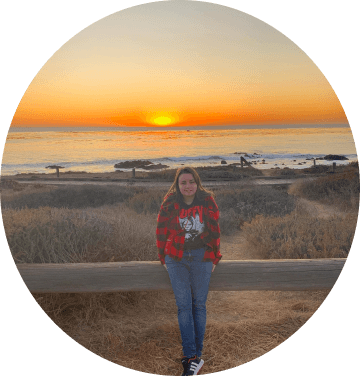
(99,149)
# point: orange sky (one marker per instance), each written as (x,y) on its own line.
(179,64)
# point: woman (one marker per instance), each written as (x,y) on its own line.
(188,241)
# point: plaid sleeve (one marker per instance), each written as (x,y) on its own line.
(161,230)
(213,234)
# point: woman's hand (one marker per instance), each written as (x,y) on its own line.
(213,268)
(165,266)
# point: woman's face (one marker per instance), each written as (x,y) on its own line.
(187,186)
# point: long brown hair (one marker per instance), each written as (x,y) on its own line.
(201,192)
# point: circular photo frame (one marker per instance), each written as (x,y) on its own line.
(287,127)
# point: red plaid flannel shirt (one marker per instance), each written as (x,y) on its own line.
(171,237)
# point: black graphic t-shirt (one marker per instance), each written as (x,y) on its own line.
(191,220)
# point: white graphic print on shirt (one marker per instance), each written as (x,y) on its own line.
(191,220)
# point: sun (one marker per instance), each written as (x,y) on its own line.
(162,120)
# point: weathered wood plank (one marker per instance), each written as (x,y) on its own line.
(285,275)
(281,275)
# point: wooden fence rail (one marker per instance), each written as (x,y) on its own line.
(231,275)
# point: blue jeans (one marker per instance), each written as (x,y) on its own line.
(190,279)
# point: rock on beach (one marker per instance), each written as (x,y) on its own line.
(146,165)
(155,166)
(333,157)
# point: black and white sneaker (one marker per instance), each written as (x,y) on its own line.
(192,366)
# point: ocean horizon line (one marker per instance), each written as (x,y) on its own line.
(173,128)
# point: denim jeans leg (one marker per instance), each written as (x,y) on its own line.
(200,278)
(179,273)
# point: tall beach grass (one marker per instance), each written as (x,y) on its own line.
(53,235)
(88,224)
(299,236)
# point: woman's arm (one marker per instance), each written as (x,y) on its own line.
(211,236)
(214,227)
(161,230)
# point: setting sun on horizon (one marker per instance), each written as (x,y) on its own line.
(178,64)
(162,120)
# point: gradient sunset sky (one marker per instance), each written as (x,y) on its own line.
(179,63)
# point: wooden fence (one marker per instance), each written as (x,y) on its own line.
(284,275)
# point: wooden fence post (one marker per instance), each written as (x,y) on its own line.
(57,168)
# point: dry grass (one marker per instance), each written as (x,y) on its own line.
(103,234)
(340,189)
(286,172)
(236,205)
(72,196)
(210,173)
(120,327)
(148,201)
(299,236)
(139,330)
(11,189)
(240,205)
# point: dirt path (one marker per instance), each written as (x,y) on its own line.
(316,209)
(235,248)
